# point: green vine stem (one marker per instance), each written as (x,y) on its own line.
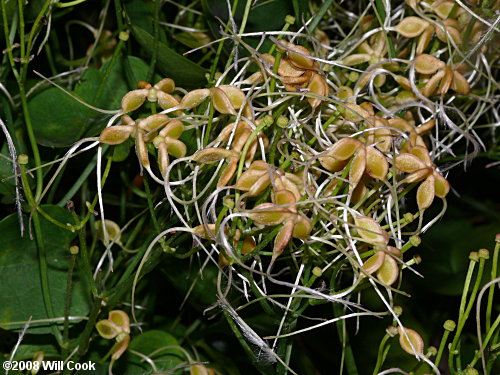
(465,310)
(491,292)
(42,256)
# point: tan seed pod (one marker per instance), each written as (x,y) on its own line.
(448,32)
(299,80)
(370,231)
(269,214)
(141,149)
(228,172)
(388,273)
(346,94)
(427,64)
(433,83)
(442,8)
(163,160)
(121,319)
(107,329)
(153,122)
(424,39)
(376,164)
(221,102)
(373,263)
(319,87)
(355,113)
(115,135)
(446,81)
(426,193)
(418,175)
(249,178)
(254,79)
(283,238)
(194,98)
(415,339)
(166,101)
(344,148)
(211,155)
(286,69)
(298,55)
(259,186)
(174,129)
(441,186)
(357,169)
(409,163)
(282,197)
(166,85)
(235,95)
(459,84)
(202,232)
(133,100)
(403,82)
(175,147)
(411,27)
(356,59)
(302,227)
(120,347)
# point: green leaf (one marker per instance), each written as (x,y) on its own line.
(20,285)
(59,120)
(162,343)
(183,71)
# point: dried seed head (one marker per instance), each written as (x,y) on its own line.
(411,27)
